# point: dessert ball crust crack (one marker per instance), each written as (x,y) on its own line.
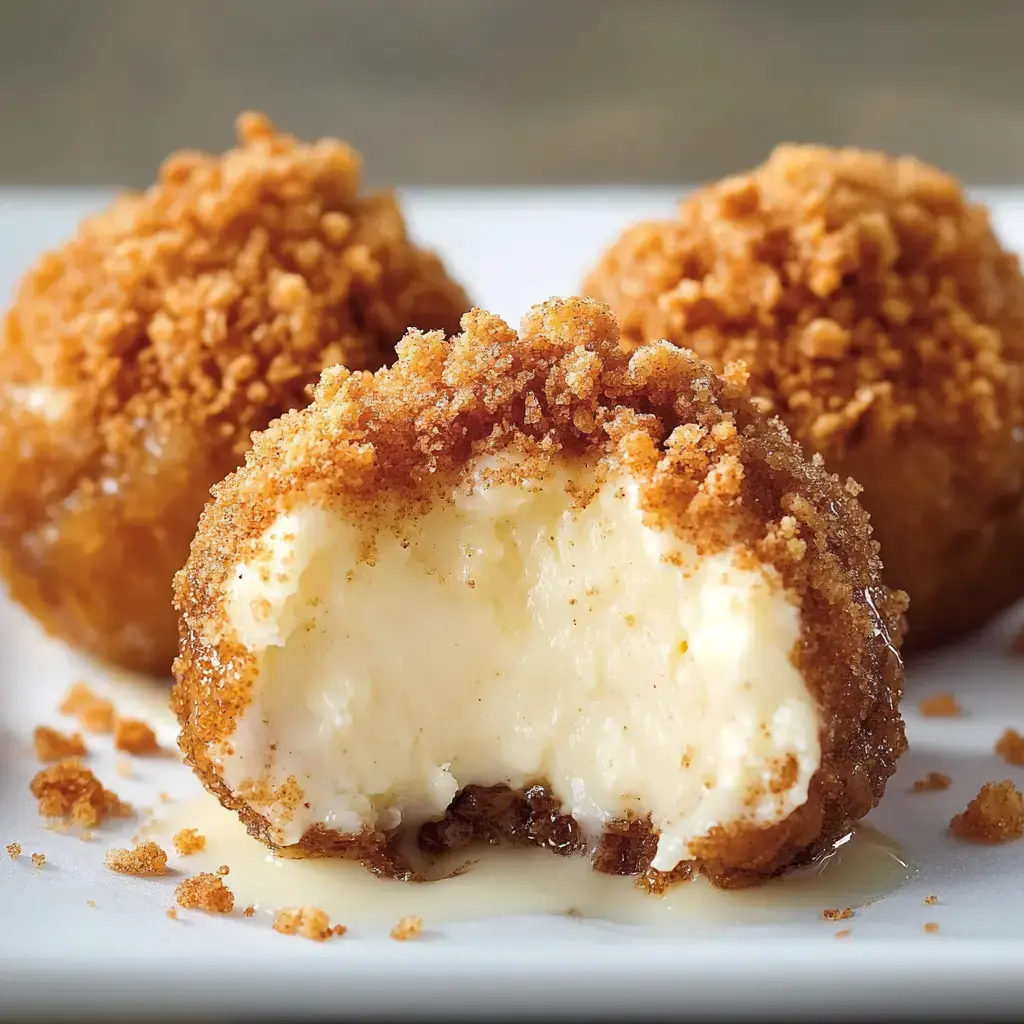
(138,358)
(711,469)
(882,320)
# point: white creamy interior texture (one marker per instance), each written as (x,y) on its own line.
(505,638)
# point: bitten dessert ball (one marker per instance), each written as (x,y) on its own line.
(882,321)
(136,361)
(526,587)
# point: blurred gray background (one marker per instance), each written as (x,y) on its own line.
(493,92)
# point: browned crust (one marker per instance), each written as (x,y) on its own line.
(710,469)
(881,319)
(176,322)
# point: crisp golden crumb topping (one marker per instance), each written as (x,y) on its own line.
(995,815)
(146,859)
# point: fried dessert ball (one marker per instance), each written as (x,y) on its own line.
(571,596)
(881,319)
(136,361)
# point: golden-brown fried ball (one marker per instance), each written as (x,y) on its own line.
(882,320)
(524,587)
(137,359)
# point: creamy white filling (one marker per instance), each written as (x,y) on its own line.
(504,638)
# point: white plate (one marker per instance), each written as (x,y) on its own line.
(59,954)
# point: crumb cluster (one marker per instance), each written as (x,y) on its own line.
(410,927)
(932,782)
(188,841)
(1010,747)
(146,859)
(70,791)
(205,892)
(941,705)
(38,860)
(837,914)
(14,850)
(135,737)
(95,713)
(52,745)
(308,922)
(995,815)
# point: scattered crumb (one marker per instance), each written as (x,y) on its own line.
(573,912)
(52,745)
(205,892)
(844,933)
(123,768)
(188,841)
(249,912)
(38,860)
(931,782)
(931,900)
(70,791)
(995,815)
(223,870)
(931,927)
(96,713)
(90,903)
(145,860)
(165,798)
(407,928)
(86,836)
(1010,747)
(134,736)
(837,914)
(173,913)
(14,850)
(942,705)
(309,922)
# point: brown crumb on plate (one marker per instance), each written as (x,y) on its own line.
(407,928)
(134,736)
(165,798)
(189,841)
(309,922)
(205,892)
(223,870)
(70,791)
(86,836)
(173,913)
(836,914)
(931,782)
(844,933)
(1010,747)
(942,705)
(995,815)
(931,900)
(96,713)
(931,927)
(249,912)
(52,745)
(14,850)
(38,860)
(145,860)
(90,903)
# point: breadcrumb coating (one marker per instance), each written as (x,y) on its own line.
(145,860)
(138,358)
(995,815)
(205,892)
(52,745)
(70,791)
(880,317)
(410,927)
(309,922)
(96,713)
(709,468)
(188,841)
(1010,747)
(134,736)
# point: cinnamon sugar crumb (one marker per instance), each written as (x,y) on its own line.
(86,836)
(96,713)
(931,782)
(410,927)
(38,860)
(995,815)
(1010,747)
(931,927)
(90,903)
(309,922)
(14,850)
(942,705)
(931,900)
(145,860)
(844,933)
(205,892)
(70,791)
(188,841)
(173,913)
(837,914)
(52,745)
(249,912)
(223,870)
(135,737)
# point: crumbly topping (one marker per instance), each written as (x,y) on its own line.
(995,815)
(134,736)
(410,927)
(70,791)
(14,850)
(146,859)
(96,713)
(941,705)
(836,914)
(309,922)
(205,892)
(38,860)
(188,841)
(932,782)
(709,469)
(52,745)
(1010,747)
